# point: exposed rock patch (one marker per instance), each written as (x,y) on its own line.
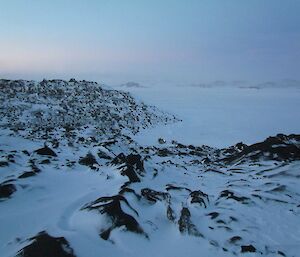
(111,207)
(88,160)
(248,249)
(185,224)
(131,166)
(6,190)
(44,245)
(46,151)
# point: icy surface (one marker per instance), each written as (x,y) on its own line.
(97,191)
(222,116)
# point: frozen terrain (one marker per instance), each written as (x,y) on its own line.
(82,172)
(222,115)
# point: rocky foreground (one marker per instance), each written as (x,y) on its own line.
(73,182)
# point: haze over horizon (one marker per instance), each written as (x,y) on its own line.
(150,41)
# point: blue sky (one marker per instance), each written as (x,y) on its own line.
(166,40)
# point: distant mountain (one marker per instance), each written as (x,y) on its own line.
(286,83)
(132,85)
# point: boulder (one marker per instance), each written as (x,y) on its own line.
(46,151)
(44,245)
(6,190)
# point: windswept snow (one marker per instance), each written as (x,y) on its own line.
(222,116)
(83,182)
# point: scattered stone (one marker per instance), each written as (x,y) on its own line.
(103,155)
(130,173)
(198,197)
(26,152)
(6,190)
(161,141)
(230,195)
(153,196)
(170,187)
(164,152)
(170,214)
(3,163)
(281,253)
(248,249)
(46,151)
(279,148)
(88,160)
(46,161)
(27,174)
(234,239)
(72,80)
(44,245)
(111,206)
(125,190)
(132,164)
(185,224)
(213,215)
(135,160)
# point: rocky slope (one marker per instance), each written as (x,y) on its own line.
(74,183)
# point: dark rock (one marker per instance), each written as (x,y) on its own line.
(213,215)
(111,206)
(130,173)
(161,141)
(132,164)
(164,152)
(73,80)
(185,224)
(35,168)
(198,197)
(44,245)
(93,139)
(214,243)
(46,161)
(279,148)
(170,213)
(3,164)
(235,149)
(192,147)
(248,248)
(125,190)
(172,187)
(27,174)
(11,158)
(103,155)
(55,143)
(230,195)
(26,152)
(135,160)
(120,159)
(88,160)
(6,190)
(234,239)
(153,196)
(81,139)
(46,151)
(206,160)
(281,253)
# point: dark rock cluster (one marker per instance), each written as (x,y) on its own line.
(44,245)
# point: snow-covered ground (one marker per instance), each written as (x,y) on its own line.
(221,116)
(77,179)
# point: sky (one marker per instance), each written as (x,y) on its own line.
(157,40)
